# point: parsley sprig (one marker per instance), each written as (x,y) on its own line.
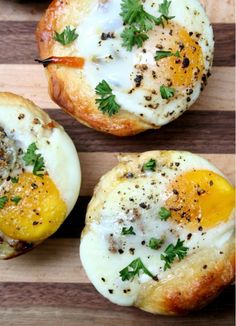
(16,199)
(3,201)
(138,22)
(150,165)
(32,158)
(165,54)
(164,10)
(167,92)
(107,101)
(164,214)
(133,269)
(155,243)
(173,251)
(126,231)
(67,36)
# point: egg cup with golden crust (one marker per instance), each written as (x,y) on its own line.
(126,199)
(38,186)
(73,88)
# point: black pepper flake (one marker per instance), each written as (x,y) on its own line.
(138,79)
(106,36)
(103,279)
(200,228)
(175,192)
(143,242)
(204,267)
(110,291)
(35,223)
(185,63)
(121,251)
(132,250)
(21,116)
(211,183)
(189,236)
(143,205)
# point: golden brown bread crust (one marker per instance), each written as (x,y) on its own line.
(66,91)
(205,276)
(194,281)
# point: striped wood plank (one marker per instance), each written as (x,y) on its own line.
(19,46)
(33,304)
(33,85)
(218,11)
(197,131)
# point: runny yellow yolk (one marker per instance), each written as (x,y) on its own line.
(201,200)
(39,211)
(174,71)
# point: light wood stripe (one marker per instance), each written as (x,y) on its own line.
(218,11)
(94,165)
(218,95)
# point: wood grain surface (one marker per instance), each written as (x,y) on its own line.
(48,285)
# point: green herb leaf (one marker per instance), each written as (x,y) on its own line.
(14,180)
(126,231)
(131,36)
(164,54)
(107,101)
(3,201)
(155,243)
(67,36)
(150,165)
(164,11)
(16,199)
(171,252)
(164,214)
(31,158)
(167,92)
(133,269)
(140,22)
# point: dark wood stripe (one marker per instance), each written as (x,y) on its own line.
(74,224)
(81,304)
(18,44)
(196,131)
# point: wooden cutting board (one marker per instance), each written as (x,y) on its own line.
(48,285)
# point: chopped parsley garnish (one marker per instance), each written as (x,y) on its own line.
(126,231)
(16,199)
(171,252)
(31,158)
(67,36)
(155,243)
(3,201)
(150,165)
(164,10)
(167,92)
(165,54)
(133,269)
(140,21)
(14,180)
(164,214)
(107,101)
(132,36)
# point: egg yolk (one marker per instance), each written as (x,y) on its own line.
(183,69)
(200,199)
(34,209)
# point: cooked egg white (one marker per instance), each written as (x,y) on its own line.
(136,76)
(198,196)
(35,205)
